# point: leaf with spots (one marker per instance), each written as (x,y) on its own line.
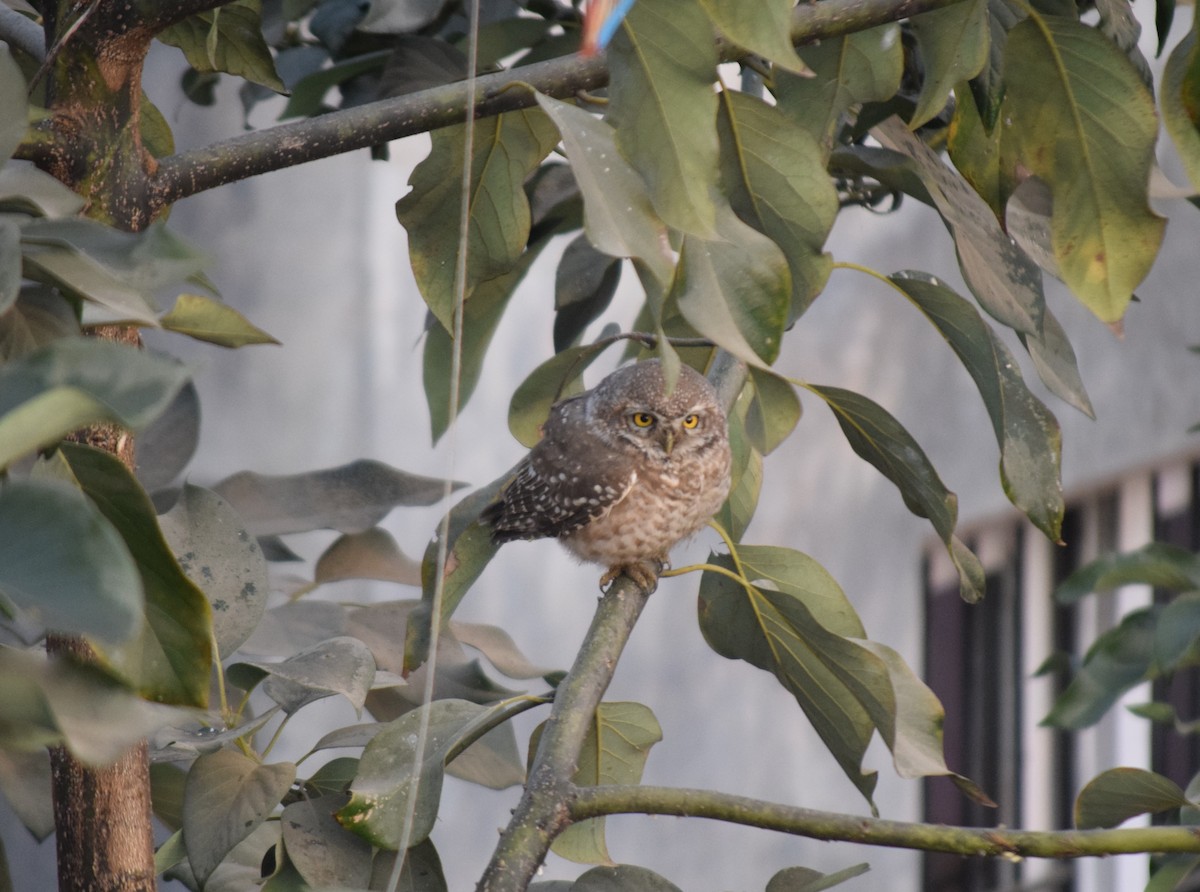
(222,558)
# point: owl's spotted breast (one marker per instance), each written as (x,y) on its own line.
(623,472)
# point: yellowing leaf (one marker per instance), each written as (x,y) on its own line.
(206,319)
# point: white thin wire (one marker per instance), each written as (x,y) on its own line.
(460,290)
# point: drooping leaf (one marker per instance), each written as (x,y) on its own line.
(584,285)
(1116,795)
(614,751)
(557,378)
(64,564)
(760,26)
(1177,631)
(861,67)
(371,554)
(349,499)
(774,175)
(168,444)
(502,652)
(1091,140)
(1157,563)
(380,792)
(226,797)
(746,473)
(227,39)
(880,439)
(341,665)
(1118,660)
(773,413)
(507,148)
(73,382)
(735,290)
(622,878)
(206,319)
(662,65)
(1027,433)
(323,852)
(618,215)
(171,659)
(1181,104)
(219,556)
(953,42)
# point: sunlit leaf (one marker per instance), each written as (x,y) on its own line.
(507,148)
(227,796)
(1077,115)
(350,498)
(953,42)
(1028,435)
(216,553)
(206,319)
(227,39)
(662,65)
(774,175)
(64,564)
(618,215)
(1116,795)
(614,751)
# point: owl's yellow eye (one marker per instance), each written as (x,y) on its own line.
(690,421)
(642,419)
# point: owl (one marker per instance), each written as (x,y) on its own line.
(622,473)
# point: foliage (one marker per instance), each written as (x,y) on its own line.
(720,196)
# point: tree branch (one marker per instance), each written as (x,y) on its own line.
(287,145)
(595,802)
(543,810)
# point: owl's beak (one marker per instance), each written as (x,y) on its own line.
(668,440)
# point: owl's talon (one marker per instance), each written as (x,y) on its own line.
(643,573)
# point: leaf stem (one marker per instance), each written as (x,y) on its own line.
(594,802)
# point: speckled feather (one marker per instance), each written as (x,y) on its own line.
(613,493)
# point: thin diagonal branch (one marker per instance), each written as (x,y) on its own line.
(378,122)
(595,802)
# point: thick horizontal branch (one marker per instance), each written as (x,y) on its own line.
(595,802)
(379,122)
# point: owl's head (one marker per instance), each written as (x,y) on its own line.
(634,410)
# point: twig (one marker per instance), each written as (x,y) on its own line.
(595,802)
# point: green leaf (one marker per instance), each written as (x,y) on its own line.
(1118,660)
(662,64)
(1116,795)
(1077,115)
(226,797)
(171,660)
(10,263)
(218,554)
(502,652)
(1181,104)
(1028,435)
(507,149)
(227,39)
(39,316)
(614,751)
(206,319)
(760,26)
(380,792)
(622,878)
(953,43)
(64,564)
(26,189)
(802,879)
(73,382)
(371,554)
(746,474)
(862,67)
(584,285)
(337,666)
(773,413)
(880,439)
(618,216)
(25,785)
(735,290)
(308,93)
(1007,284)
(1169,872)
(349,499)
(13,105)
(1177,631)
(1157,563)
(322,851)
(774,175)
(168,444)
(557,378)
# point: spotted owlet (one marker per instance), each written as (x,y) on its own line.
(622,473)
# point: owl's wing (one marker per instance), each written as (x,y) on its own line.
(567,480)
